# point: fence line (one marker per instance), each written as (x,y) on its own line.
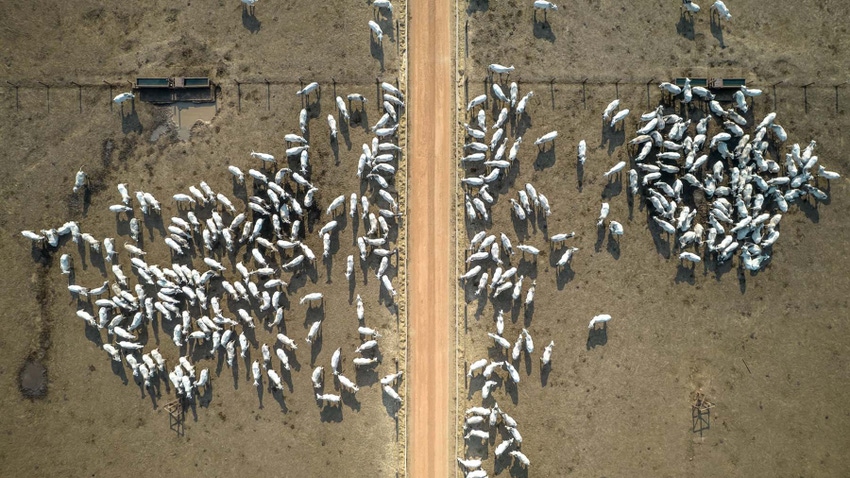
(601,81)
(776,88)
(233,84)
(116,84)
(784,86)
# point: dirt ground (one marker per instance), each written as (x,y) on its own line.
(768,348)
(431,237)
(94,416)
(86,40)
(651,39)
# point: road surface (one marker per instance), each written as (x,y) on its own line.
(431,346)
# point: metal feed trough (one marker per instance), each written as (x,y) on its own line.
(169,90)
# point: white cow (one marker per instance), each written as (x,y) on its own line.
(376,29)
(599,319)
(722,10)
(123,97)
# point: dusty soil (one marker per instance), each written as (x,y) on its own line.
(91,405)
(768,348)
(87,41)
(431,236)
(651,39)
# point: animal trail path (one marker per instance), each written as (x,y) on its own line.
(430,309)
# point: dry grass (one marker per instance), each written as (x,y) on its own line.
(92,420)
(768,348)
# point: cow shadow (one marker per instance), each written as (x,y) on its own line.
(390,404)
(685,274)
(281,401)
(331,413)
(600,238)
(545,370)
(579,175)
(717,28)
(613,137)
(130,122)
(564,275)
(613,246)
(249,19)
(685,26)
(477,6)
(614,186)
(528,314)
(377,50)
(542,29)
(119,371)
(545,159)
(597,336)
(350,400)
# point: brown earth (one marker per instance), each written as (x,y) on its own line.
(609,40)
(768,348)
(88,41)
(430,238)
(94,417)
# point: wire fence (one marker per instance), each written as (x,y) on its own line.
(86,93)
(59,96)
(779,91)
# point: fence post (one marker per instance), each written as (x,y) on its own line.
(110,94)
(584,93)
(268,95)
(238,97)
(774,93)
(806,97)
(617,88)
(466,38)
(48,95)
(215,89)
(17,103)
(647,91)
(378,103)
(304,100)
(836,94)
(79,95)
(552,91)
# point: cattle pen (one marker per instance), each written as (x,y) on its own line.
(531,239)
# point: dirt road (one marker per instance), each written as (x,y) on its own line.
(430,192)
